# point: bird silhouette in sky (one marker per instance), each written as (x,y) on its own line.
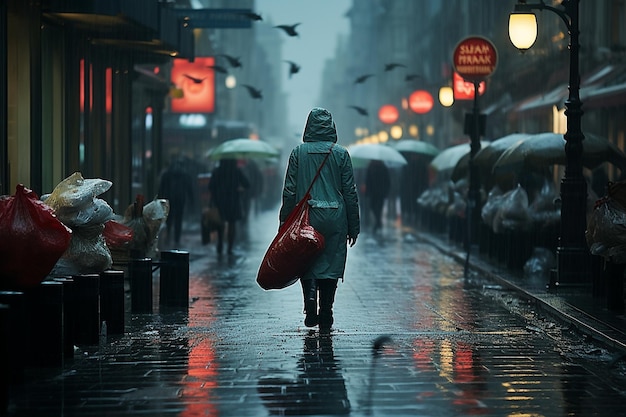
(411,77)
(362,78)
(194,79)
(289,29)
(360,110)
(252,15)
(293,68)
(254,93)
(389,67)
(218,68)
(234,62)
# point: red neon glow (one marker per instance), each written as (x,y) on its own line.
(464,90)
(197,81)
(388,114)
(108,87)
(421,101)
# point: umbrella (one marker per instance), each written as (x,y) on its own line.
(243,149)
(538,151)
(486,156)
(362,154)
(416,147)
(449,157)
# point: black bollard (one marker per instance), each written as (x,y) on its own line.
(140,274)
(17,322)
(112,301)
(44,325)
(615,286)
(174,282)
(5,359)
(69,315)
(87,329)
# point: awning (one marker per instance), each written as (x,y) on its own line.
(141,25)
(603,87)
(610,96)
(556,97)
(608,91)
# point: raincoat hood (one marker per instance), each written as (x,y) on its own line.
(320,127)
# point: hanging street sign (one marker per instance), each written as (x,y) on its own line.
(217,18)
(475,58)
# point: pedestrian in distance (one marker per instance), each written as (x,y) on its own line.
(176,185)
(226,186)
(377,185)
(413,182)
(250,198)
(334,211)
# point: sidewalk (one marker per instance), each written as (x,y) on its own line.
(575,306)
(240,351)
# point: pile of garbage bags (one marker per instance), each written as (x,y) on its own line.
(75,202)
(512,210)
(145,222)
(606,226)
(72,231)
(446,198)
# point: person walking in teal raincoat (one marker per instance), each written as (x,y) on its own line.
(334,210)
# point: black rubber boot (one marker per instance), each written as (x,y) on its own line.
(327,289)
(309,291)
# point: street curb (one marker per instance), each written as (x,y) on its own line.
(585,323)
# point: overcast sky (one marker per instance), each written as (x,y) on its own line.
(321,23)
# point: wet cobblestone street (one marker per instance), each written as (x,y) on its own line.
(452,347)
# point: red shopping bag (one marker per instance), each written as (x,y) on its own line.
(32,239)
(292,251)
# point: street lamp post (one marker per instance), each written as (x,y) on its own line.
(573,257)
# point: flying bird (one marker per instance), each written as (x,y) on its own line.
(289,29)
(218,68)
(254,93)
(194,79)
(389,67)
(362,78)
(251,15)
(234,62)
(411,77)
(360,110)
(293,68)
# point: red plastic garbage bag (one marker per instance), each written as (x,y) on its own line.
(292,251)
(32,239)
(117,235)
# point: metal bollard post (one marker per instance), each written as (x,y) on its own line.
(112,300)
(5,359)
(44,329)
(87,309)
(140,272)
(16,316)
(174,282)
(69,315)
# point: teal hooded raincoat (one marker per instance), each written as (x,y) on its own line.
(334,205)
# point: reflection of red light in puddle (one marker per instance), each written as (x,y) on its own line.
(423,354)
(465,374)
(202,367)
(464,364)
